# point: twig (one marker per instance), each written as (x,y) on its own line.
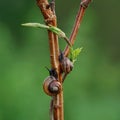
(83,5)
(48,16)
(48,12)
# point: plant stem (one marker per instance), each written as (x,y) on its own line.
(58,100)
(83,5)
(50,19)
(48,11)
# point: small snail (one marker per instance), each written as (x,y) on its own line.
(66,64)
(50,85)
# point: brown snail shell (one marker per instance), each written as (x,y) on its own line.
(66,65)
(51,86)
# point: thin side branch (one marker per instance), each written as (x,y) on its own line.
(83,5)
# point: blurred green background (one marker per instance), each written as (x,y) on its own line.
(91,91)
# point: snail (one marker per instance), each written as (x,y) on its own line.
(65,63)
(51,86)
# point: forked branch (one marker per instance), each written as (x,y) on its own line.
(48,11)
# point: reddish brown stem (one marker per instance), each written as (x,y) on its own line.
(50,19)
(83,5)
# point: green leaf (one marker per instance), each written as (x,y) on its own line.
(58,31)
(74,54)
(36,25)
(54,29)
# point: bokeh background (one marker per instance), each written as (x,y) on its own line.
(91,91)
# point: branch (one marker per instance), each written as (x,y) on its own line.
(48,11)
(49,19)
(83,5)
